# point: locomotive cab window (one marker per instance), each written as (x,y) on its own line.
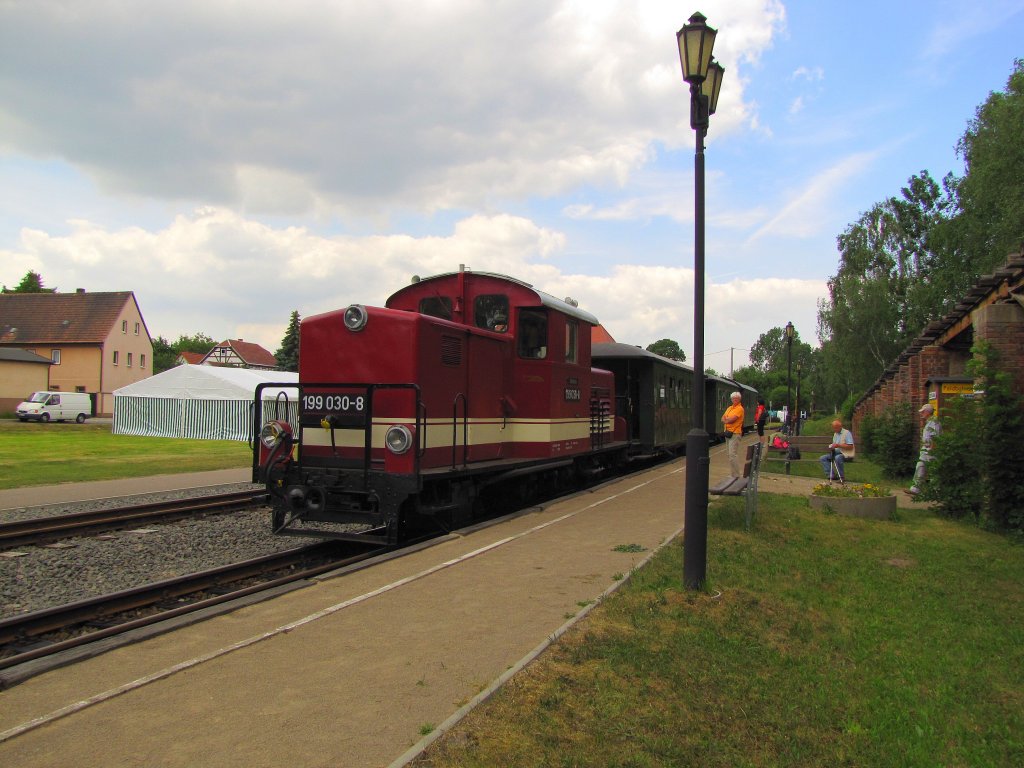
(437,306)
(533,334)
(490,311)
(571,341)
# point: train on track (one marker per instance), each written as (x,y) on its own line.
(464,387)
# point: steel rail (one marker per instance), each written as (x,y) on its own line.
(46,529)
(67,617)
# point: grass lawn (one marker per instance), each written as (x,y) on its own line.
(46,454)
(821,641)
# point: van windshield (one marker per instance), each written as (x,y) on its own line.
(38,397)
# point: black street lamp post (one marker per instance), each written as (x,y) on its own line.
(696,41)
(799,370)
(789,377)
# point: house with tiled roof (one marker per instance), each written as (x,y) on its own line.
(189,358)
(238,353)
(96,342)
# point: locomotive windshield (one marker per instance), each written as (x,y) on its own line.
(490,311)
(533,334)
(437,306)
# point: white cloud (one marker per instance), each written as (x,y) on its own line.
(807,210)
(811,74)
(316,106)
(221,274)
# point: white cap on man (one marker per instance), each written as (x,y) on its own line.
(926,408)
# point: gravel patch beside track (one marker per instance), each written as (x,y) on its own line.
(45,577)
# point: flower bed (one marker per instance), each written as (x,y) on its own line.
(867,500)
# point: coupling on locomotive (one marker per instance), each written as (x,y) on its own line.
(464,387)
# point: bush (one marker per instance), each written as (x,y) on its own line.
(892,437)
(1002,428)
(954,477)
(846,409)
(865,437)
(977,460)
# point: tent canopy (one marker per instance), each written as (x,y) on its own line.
(207,382)
(201,401)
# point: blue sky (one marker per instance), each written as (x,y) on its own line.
(231,167)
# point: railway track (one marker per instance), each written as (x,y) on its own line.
(41,634)
(43,530)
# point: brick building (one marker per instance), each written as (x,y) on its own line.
(934,366)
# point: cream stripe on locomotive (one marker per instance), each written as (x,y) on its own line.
(480,432)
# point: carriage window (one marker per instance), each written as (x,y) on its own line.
(571,334)
(437,306)
(533,334)
(490,311)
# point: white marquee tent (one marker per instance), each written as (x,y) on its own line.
(202,402)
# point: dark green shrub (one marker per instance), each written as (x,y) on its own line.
(893,441)
(865,437)
(955,470)
(1002,429)
(846,409)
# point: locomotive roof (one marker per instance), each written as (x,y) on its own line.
(545,299)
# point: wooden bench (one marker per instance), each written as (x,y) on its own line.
(811,447)
(745,485)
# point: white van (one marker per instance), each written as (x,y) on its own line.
(58,406)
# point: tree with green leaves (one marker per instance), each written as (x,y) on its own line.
(886,289)
(910,258)
(668,348)
(32,282)
(288,353)
(165,355)
(991,194)
(199,342)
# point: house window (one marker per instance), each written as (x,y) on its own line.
(142,361)
(55,356)
(115,357)
(124,326)
(136,329)
(129,359)
(79,389)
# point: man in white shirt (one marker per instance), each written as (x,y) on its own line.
(841,445)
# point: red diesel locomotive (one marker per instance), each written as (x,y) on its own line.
(464,387)
(464,384)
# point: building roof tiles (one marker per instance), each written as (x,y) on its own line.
(59,318)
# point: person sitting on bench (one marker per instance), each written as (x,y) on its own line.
(842,444)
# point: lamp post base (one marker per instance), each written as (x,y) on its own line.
(695,517)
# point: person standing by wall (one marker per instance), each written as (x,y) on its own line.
(931,428)
(732,420)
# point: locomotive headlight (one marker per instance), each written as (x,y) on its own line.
(356,317)
(273,432)
(398,439)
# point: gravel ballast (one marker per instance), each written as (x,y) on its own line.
(45,577)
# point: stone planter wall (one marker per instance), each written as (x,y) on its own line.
(883,508)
